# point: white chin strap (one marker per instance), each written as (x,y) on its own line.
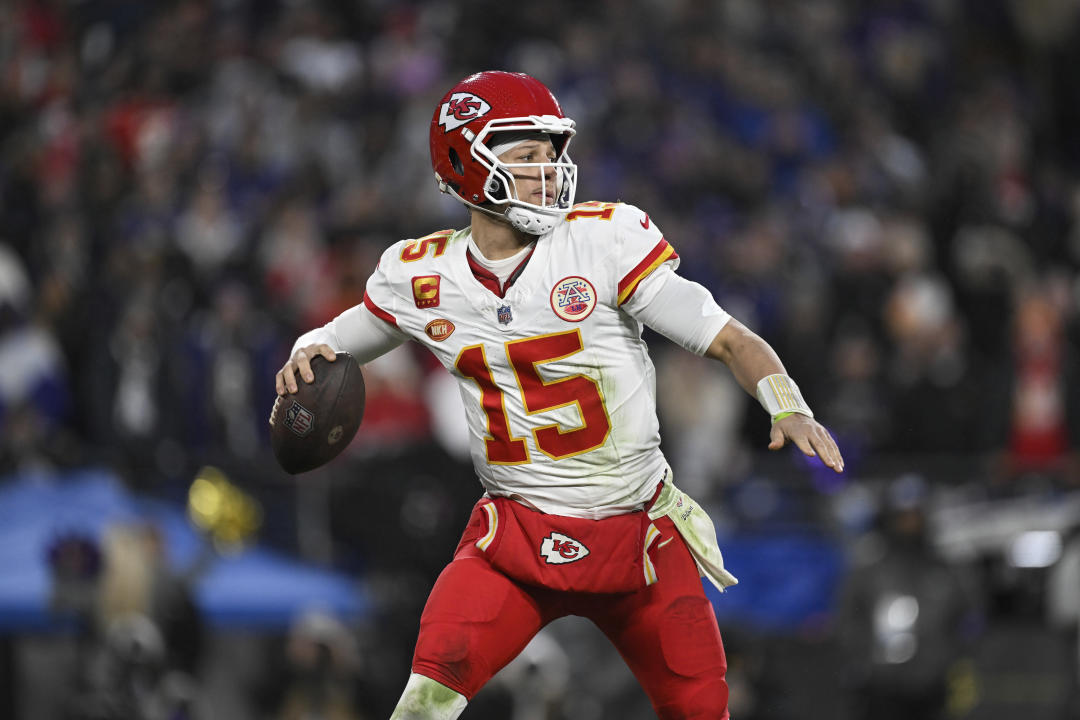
(532,222)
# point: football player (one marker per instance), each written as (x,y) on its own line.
(537,309)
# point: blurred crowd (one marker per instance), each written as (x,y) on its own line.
(888,192)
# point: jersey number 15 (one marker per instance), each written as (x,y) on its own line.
(537,395)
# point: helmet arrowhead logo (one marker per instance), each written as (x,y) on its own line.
(461,108)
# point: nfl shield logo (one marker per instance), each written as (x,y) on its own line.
(299,419)
(504,315)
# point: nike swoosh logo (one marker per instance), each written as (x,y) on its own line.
(645,222)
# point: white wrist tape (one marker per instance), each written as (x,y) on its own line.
(779,394)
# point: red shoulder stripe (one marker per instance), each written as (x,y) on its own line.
(378,311)
(656,257)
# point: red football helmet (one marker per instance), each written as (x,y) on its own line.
(472,118)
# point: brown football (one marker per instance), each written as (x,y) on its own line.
(311,427)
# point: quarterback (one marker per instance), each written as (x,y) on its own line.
(537,309)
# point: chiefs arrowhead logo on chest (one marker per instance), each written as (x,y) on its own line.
(559,549)
(573,298)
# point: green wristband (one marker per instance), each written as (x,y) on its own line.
(782,415)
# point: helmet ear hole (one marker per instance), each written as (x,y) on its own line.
(496,188)
(455,161)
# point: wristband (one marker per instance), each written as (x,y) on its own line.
(779,395)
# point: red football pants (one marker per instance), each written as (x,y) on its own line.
(477,620)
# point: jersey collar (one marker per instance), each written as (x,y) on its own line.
(488,279)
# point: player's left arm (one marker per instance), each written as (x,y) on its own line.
(758,369)
(685,312)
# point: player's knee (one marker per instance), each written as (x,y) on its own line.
(709,701)
(425,699)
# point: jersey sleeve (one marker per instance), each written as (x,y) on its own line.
(369,329)
(356,331)
(679,309)
(380,299)
(650,290)
(640,249)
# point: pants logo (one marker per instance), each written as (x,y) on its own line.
(559,549)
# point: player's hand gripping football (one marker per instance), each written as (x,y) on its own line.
(300,364)
(809,436)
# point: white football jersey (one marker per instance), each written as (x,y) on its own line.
(558,386)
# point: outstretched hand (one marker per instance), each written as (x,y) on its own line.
(809,436)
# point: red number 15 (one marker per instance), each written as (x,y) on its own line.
(538,396)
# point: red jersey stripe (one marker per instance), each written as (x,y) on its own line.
(659,255)
(378,311)
(485,276)
(488,279)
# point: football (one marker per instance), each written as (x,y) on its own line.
(311,427)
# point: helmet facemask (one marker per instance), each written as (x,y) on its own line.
(500,185)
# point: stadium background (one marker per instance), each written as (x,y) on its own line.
(888,192)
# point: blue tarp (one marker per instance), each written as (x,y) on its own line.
(255,588)
(788,581)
